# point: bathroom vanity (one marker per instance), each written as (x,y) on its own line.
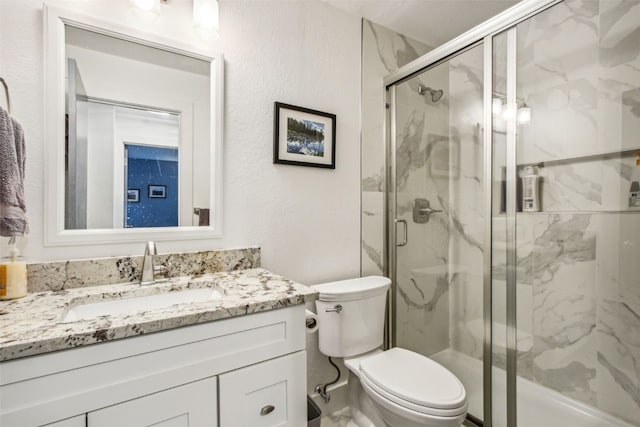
(236,359)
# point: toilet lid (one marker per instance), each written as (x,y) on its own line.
(414,378)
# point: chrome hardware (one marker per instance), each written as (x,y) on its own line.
(321,389)
(422,211)
(406,232)
(266,410)
(336,309)
(429,211)
(148,269)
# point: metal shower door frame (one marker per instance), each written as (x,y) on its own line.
(482,34)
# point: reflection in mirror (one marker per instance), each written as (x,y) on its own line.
(157,207)
(137,133)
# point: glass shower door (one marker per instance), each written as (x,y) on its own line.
(565,283)
(437,299)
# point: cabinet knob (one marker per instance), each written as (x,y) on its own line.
(266,410)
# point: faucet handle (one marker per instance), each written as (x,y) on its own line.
(148,270)
(151,248)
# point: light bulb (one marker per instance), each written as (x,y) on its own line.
(524,115)
(496,105)
(206,14)
(146,5)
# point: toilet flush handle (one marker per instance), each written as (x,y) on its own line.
(336,309)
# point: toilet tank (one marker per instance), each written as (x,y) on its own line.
(351,315)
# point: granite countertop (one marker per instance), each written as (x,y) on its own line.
(34,324)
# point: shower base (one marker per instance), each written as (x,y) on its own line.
(537,405)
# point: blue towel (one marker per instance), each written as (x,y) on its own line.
(13,218)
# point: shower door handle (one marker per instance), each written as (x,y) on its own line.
(406,232)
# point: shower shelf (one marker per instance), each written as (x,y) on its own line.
(605,155)
(582,212)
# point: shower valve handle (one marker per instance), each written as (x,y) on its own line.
(429,211)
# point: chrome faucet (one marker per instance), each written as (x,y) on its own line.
(148,269)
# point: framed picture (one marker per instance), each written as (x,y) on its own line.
(133,195)
(304,137)
(157,191)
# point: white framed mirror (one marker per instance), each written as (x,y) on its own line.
(133,129)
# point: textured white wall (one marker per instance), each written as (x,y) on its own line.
(304,53)
(306,220)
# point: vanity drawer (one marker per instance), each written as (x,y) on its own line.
(190,405)
(268,394)
(79,421)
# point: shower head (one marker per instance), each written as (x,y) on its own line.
(436,95)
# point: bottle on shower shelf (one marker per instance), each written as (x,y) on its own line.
(634,190)
(531,190)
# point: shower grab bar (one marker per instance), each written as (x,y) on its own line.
(6,94)
(406,232)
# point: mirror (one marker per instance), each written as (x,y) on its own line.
(136,127)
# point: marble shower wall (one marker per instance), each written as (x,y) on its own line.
(383,52)
(439,158)
(465,207)
(423,159)
(579,71)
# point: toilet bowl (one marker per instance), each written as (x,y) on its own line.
(396,387)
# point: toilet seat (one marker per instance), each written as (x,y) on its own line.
(395,414)
(414,382)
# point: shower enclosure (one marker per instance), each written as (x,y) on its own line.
(535,308)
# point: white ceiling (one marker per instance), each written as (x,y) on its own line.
(433,22)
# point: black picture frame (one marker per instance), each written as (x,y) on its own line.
(157,191)
(304,137)
(133,195)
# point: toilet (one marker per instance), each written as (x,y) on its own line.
(396,387)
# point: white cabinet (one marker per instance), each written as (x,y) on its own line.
(190,405)
(79,421)
(269,394)
(168,379)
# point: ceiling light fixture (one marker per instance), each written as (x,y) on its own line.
(524,114)
(206,14)
(497,105)
(146,5)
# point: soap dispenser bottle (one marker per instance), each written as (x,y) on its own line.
(13,274)
(531,190)
(634,190)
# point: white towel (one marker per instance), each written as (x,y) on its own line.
(13,218)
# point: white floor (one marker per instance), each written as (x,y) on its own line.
(337,419)
(342,418)
(537,405)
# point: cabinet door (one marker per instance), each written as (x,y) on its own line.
(190,405)
(79,421)
(268,394)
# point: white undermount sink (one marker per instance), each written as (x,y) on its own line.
(131,305)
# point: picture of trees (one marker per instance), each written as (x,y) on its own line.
(305,137)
